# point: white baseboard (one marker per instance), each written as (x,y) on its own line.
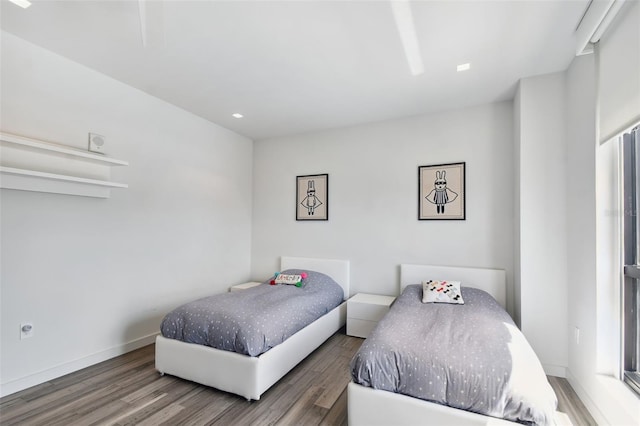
(608,399)
(555,370)
(586,400)
(22,383)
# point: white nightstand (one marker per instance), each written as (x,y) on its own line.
(244,286)
(364,311)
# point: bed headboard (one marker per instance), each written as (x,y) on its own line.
(336,269)
(493,281)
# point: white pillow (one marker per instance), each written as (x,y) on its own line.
(288,279)
(434,291)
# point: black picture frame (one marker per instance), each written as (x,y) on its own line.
(442,191)
(312,197)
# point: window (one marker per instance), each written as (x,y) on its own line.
(631,249)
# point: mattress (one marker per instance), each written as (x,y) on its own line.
(254,320)
(469,356)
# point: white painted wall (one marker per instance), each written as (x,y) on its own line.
(619,51)
(541,196)
(96,275)
(581,210)
(373,186)
(597,104)
(517,158)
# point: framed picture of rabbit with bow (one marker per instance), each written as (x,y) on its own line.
(312,197)
(441,192)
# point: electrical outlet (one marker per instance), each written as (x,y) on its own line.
(26,330)
(576,335)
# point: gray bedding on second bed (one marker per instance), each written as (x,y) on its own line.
(469,356)
(254,320)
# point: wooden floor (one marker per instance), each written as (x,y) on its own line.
(127,390)
(570,404)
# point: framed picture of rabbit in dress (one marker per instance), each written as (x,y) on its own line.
(441,192)
(312,197)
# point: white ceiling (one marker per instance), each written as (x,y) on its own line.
(299,66)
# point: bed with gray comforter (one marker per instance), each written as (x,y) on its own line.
(470,357)
(254,320)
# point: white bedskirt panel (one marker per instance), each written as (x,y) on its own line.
(241,374)
(228,371)
(372,407)
(278,361)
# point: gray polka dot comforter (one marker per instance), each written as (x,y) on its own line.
(469,356)
(254,320)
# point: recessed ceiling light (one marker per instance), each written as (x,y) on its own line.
(237,115)
(463,67)
(22,3)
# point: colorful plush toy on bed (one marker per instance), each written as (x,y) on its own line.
(297,280)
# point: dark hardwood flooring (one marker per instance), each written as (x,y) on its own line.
(127,390)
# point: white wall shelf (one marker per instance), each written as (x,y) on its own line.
(33,165)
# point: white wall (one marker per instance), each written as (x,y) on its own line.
(96,275)
(619,61)
(373,187)
(541,197)
(598,103)
(517,158)
(581,210)
(594,259)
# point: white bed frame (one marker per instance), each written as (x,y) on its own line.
(250,376)
(493,281)
(370,407)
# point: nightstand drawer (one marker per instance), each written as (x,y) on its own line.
(365,311)
(370,307)
(360,328)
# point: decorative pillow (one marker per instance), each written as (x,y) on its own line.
(297,280)
(434,291)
